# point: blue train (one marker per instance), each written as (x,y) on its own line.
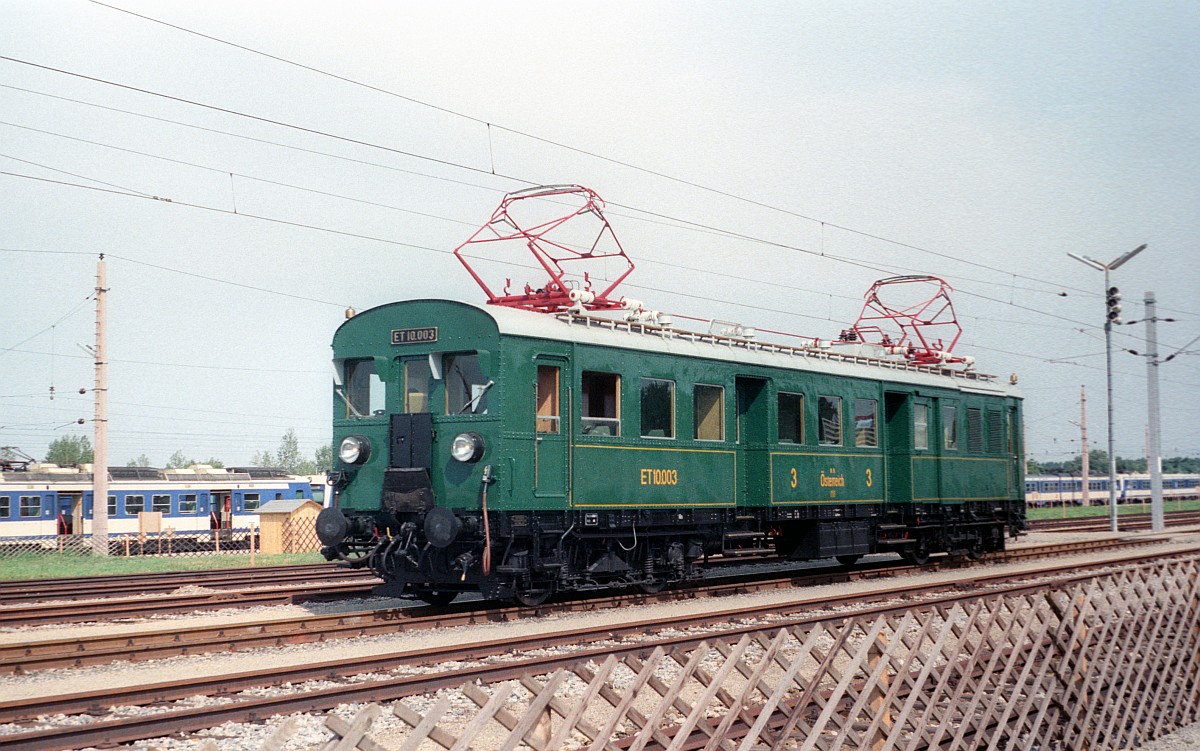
(38,501)
(1057,490)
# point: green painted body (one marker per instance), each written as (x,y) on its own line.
(750,467)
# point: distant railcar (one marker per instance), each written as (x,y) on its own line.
(518,454)
(1067,490)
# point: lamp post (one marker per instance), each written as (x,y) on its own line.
(1112,300)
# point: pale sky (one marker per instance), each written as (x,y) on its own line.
(756,158)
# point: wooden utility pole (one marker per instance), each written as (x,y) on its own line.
(100,426)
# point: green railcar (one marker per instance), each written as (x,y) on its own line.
(517,453)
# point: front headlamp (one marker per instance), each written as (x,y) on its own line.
(467,447)
(355,449)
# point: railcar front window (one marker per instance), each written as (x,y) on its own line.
(135,504)
(417,383)
(658,408)
(548,415)
(950,427)
(829,420)
(864,423)
(466,385)
(601,404)
(791,418)
(31,505)
(921,426)
(364,389)
(709,405)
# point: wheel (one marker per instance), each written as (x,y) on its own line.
(652,586)
(848,560)
(437,597)
(917,556)
(975,550)
(533,598)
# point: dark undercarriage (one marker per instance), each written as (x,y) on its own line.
(529,556)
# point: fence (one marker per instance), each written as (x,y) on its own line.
(166,543)
(1106,664)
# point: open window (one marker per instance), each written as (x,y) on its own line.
(601,404)
(791,417)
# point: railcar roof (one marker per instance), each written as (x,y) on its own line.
(857,361)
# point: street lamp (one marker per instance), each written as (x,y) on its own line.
(1112,298)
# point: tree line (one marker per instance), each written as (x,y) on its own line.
(1098,465)
(74,450)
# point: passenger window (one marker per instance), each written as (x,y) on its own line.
(251,502)
(921,426)
(658,408)
(466,385)
(135,504)
(708,403)
(864,423)
(31,505)
(791,418)
(112,505)
(829,420)
(601,404)
(950,427)
(5,506)
(187,504)
(548,415)
(161,503)
(416,386)
(364,389)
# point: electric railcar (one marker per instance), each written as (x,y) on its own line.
(47,500)
(519,453)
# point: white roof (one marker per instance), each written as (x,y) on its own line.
(856,361)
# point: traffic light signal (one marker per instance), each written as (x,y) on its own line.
(1113,299)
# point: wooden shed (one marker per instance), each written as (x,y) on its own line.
(289,526)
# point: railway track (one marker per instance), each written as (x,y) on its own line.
(94,587)
(619,639)
(1126,522)
(102,649)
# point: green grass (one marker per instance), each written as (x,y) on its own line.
(1076,512)
(70,565)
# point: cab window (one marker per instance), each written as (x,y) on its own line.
(864,423)
(466,385)
(709,405)
(417,380)
(950,427)
(921,426)
(364,389)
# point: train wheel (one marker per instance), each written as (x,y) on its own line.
(917,556)
(437,597)
(848,560)
(975,550)
(652,586)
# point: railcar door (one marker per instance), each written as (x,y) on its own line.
(550,448)
(752,436)
(902,433)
